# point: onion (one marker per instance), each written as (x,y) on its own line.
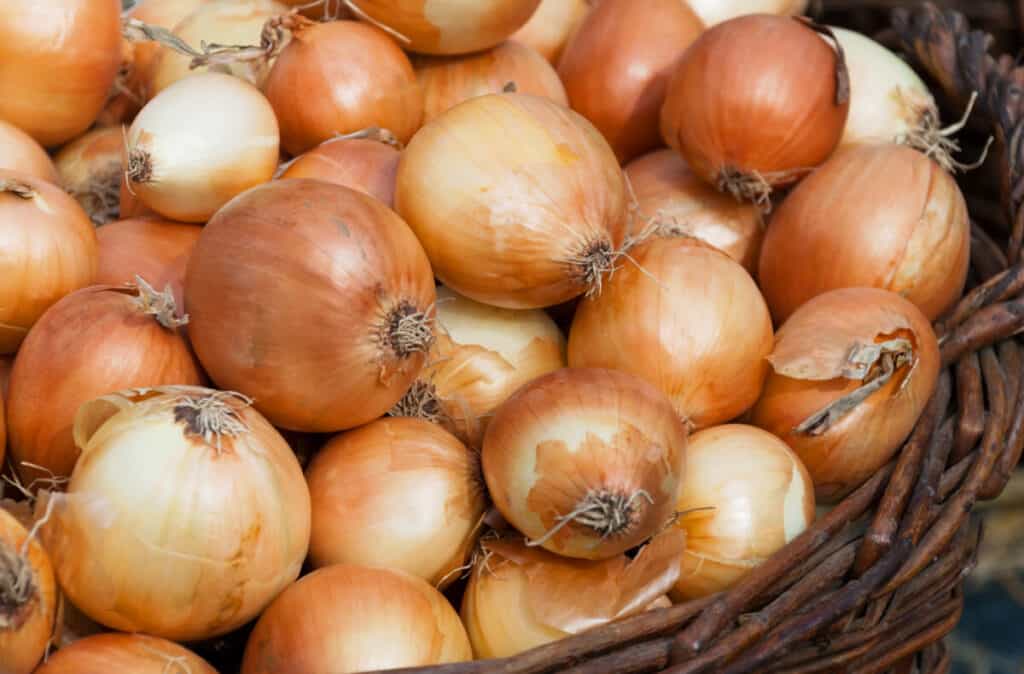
(123,653)
(90,170)
(673,201)
(716,11)
(852,371)
(328,296)
(745,496)
(882,216)
(550,27)
(346,618)
(59,60)
(166,14)
(198,144)
(481,356)
(518,201)
(365,164)
(756,103)
(20,152)
(6,363)
(520,597)
(397,493)
(212,524)
(450,80)
(585,462)
(49,250)
(125,98)
(130,206)
(94,341)
(28,597)
(688,319)
(341,77)
(617,65)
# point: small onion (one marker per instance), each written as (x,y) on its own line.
(364,164)
(185,516)
(585,462)
(551,25)
(344,619)
(199,143)
(716,11)
(117,653)
(617,66)
(882,216)
(756,103)
(852,371)
(518,201)
(328,295)
(20,152)
(28,598)
(90,170)
(688,319)
(745,496)
(672,200)
(49,249)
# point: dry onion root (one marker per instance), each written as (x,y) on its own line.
(90,170)
(117,653)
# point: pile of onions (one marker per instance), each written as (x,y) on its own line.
(94,341)
(450,80)
(20,152)
(617,65)
(211,525)
(586,462)
(368,164)
(347,618)
(746,494)
(520,597)
(49,249)
(117,653)
(90,170)
(340,77)
(687,318)
(518,201)
(671,200)
(28,597)
(852,372)
(199,143)
(397,493)
(716,11)
(882,216)
(551,26)
(756,103)
(59,60)
(329,300)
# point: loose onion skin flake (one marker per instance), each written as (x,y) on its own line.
(364,164)
(90,170)
(118,653)
(551,26)
(716,11)
(20,152)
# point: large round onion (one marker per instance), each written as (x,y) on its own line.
(28,598)
(585,462)
(117,653)
(59,59)
(882,216)
(717,11)
(617,65)
(90,170)
(852,372)
(688,319)
(20,152)
(49,249)
(364,164)
(346,619)
(328,296)
(551,25)
(518,201)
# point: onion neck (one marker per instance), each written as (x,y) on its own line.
(159,305)
(212,417)
(16,588)
(605,512)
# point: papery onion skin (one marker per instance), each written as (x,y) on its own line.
(671,198)
(369,166)
(551,26)
(524,189)
(59,60)
(20,152)
(330,314)
(90,170)
(346,619)
(116,653)
(893,219)
(716,11)
(617,66)
(164,14)
(745,496)
(688,319)
(49,249)
(585,438)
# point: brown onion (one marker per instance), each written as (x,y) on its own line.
(365,164)
(20,152)
(90,170)
(28,597)
(118,653)
(852,372)
(617,65)
(717,11)
(551,26)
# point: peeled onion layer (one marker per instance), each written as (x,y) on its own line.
(119,653)
(368,164)
(90,170)
(551,26)
(20,152)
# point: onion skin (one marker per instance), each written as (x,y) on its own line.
(883,216)
(115,653)
(131,207)
(686,318)
(366,165)
(760,495)
(90,170)
(716,11)
(313,278)
(551,26)
(20,152)
(61,57)
(164,14)
(345,619)
(617,66)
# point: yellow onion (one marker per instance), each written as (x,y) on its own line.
(882,216)
(20,152)
(671,200)
(345,619)
(716,11)
(585,462)
(746,494)
(185,516)
(28,597)
(551,26)
(520,597)
(688,319)
(518,201)
(166,14)
(852,370)
(116,653)
(90,170)
(365,164)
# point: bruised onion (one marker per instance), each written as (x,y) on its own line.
(117,653)
(365,164)
(90,170)
(716,11)
(155,249)
(329,298)
(518,201)
(28,597)
(20,152)
(852,370)
(551,26)
(585,462)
